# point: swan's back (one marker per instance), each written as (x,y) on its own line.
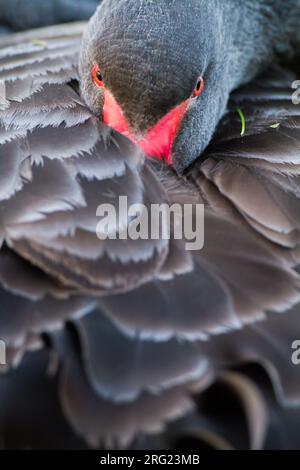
(140,327)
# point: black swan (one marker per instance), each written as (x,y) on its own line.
(141,343)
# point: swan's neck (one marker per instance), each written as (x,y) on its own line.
(263,31)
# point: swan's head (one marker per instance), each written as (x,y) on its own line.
(153,71)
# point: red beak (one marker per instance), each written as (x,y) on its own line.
(158,141)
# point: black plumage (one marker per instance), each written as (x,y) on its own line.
(140,343)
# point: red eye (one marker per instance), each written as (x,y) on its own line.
(199,86)
(97,76)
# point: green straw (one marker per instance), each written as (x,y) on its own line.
(243,121)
